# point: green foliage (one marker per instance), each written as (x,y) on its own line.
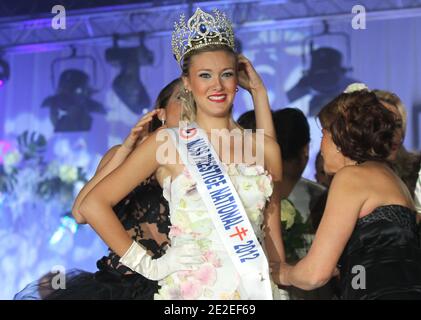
(50,181)
(294,236)
(7,180)
(31,145)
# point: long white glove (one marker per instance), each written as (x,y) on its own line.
(176,258)
(418,194)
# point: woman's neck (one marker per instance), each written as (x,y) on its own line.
(208,123)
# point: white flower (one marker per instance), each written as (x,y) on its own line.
(62,149)
(181,220)
(204,227)
(68,173)
(288,213)
(301,252)
(265,185)
(254,216)
(308,238)
(53,168)
(356,86)
(11,159)
(250,170)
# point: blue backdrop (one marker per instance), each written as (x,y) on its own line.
(39,178)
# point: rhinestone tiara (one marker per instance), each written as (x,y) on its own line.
(201,30)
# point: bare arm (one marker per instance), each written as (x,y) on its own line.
(112,159)
(263,113)
(250,80)
(337,224)
(273,239)
(98,203)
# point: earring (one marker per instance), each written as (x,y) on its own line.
(186,91)
(236,89)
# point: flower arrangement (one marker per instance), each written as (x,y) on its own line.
(39,179)
(26,176)
(296,233)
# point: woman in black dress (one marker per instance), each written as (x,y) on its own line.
(368,229)
(143,213)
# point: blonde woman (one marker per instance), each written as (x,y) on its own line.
(204,260)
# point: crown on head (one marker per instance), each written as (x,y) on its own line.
(201,30)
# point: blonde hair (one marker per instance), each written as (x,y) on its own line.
(392,99)
(189,107)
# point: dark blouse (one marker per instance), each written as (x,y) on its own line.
(382,259)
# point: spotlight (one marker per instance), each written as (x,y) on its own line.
(72,105)
(326,77)
(4,71)
(127,84)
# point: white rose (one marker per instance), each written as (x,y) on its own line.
(53,168)
(355,87)
(11,159)
(301,252)
(249,170)
(308,238)
(288,213)
(68,173)
(62,149)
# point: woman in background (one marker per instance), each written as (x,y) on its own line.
(405,163)
(368,229)
(143,213)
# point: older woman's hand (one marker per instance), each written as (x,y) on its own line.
(280,272)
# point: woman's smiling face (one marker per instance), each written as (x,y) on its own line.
(212,79)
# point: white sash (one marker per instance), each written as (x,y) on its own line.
(226,211)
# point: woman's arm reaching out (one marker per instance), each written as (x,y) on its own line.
(273,239)
(112,159)
(97,206)
(339,218)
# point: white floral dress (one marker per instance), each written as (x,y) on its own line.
(216,278)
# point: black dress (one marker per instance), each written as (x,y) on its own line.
(382,259)
(144,214)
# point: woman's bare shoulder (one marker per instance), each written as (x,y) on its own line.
(352,174)
(364,178)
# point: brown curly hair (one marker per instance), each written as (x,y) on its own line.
(360,125)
